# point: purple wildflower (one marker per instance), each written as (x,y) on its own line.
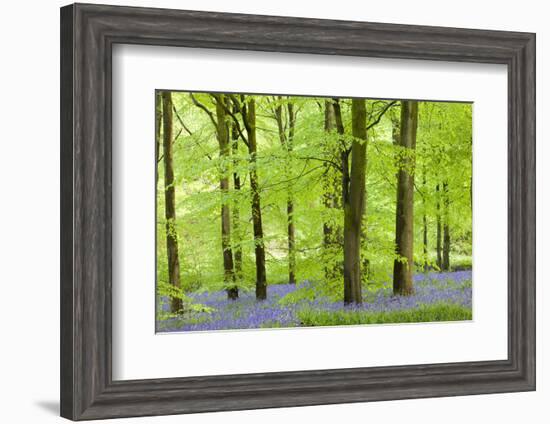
(246,312)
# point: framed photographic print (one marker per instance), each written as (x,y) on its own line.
(264,212)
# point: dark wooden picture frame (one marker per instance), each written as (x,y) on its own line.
(88,33)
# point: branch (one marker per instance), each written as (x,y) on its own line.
(181,121)
(303,173)
(204,108)
(189,132)
(236,121)
(335,164)
(244,113)
(381,114)
(241,108)
(418,190)
(175,138)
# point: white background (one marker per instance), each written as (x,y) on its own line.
(29,228)
(138,70)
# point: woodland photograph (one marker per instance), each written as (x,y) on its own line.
(277,211)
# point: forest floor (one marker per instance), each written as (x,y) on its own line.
(445,296)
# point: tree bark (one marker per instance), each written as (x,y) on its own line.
(424,223)
(286,142)
(425,241)
(354,203)
(158,123)
(439,260)
(176,303)
(290,201)
(238,251)
(404,235)
(249,115)
(332,233)
(446,263)
(222,132)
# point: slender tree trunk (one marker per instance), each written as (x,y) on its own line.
(354,203)
(446,264)
(225,149)
(438,229)
(472,191)
(176,304)
(404,235)
(425,240)
(365,261)
(446,248)
(471,182)
(395,123)
(332,186)
(424,222)
(286,142)
(290,201)
(291,242)
(238,251)
(259,250)
(158,123)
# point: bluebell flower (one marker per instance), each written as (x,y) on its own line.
(246,312)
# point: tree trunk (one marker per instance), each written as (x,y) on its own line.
(176,304)
(404,220)
(224,145)
(353,198)
(291,242)
(332,186)
(439,260)
(259,251)
(238,251)
(446,264)
(471,182)
(286,142)
(290,201)
(424,223)
(158,123)
(365,261)
(425,241)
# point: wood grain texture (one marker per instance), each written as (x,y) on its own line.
(66,214)
(88,33)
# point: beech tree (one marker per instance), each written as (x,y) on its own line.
(158,124)
(279,189)
(222,135)
(225,151)
(425,259)
(446,261)
(170,201)
(332,189)
(353,199)
(237,237)
(247,107)
(439,260)
(404,220)
(286,123)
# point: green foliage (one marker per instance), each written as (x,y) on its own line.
(302,293)
(167,292)
(443,155)
(311,317)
